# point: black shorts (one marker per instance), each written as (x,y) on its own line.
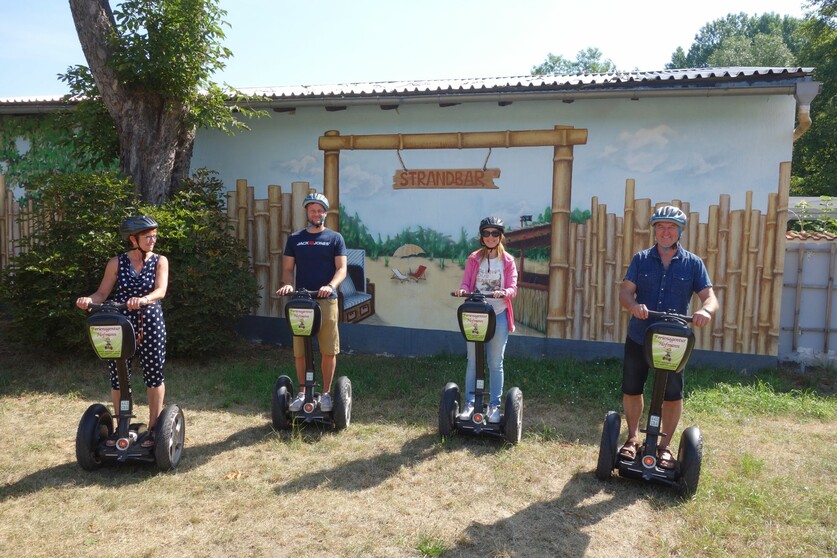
(635,373)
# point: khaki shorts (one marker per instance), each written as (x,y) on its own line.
(328,336)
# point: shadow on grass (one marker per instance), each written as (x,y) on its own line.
(70,475)
(362,474)
(558,527)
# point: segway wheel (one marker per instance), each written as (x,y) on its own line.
(448,408)
(513,416)
(170,435)
(95,426)
(342,411)
(608,451)
(689,457)
(283,391)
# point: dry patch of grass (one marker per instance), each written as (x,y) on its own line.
(387,486)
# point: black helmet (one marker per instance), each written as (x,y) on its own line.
(492,223)
(132,226)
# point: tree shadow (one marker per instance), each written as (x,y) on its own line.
(116,475)
(362,474)
(558,527)
(70,475)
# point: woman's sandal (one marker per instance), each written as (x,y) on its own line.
(628,451)
(664,458)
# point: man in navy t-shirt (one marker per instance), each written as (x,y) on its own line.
(662,278)
(318,255)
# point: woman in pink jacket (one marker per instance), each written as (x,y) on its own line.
(490,270)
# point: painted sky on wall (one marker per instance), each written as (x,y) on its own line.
(691,149)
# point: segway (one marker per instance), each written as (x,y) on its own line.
(477,322)
(668,346)
(112,336)
(304,317)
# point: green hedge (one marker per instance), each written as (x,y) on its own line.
(78,214)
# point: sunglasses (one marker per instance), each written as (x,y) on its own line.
(495,233)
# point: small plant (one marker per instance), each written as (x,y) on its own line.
(430,547)
(807,221)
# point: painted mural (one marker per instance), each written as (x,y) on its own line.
(718,157)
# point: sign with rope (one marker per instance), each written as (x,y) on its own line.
(445,178)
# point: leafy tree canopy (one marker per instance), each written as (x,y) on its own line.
(815,153)
(743,38)
(151,62)
(588,60)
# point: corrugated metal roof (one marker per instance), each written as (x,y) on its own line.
(577,85)
(576,82)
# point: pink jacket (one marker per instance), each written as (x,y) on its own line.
(509,285)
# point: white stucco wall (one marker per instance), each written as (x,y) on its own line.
(688,148)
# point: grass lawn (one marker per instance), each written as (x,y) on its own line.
(387,486)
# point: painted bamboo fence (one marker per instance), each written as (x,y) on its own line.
(744,251)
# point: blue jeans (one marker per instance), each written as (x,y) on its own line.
(495,349)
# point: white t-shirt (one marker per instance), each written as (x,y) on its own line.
(490,279)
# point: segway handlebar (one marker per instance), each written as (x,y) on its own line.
(475,293)
(655,314)
(304,292)
(110,305)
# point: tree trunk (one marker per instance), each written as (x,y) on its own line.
(155,145)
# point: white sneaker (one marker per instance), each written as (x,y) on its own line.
(467,412)
(296,404)
(326,404)
(494,413)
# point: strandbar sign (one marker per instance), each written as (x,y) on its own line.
(445,178)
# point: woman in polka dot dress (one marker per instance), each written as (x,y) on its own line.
(141,278)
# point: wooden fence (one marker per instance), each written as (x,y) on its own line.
(744,251)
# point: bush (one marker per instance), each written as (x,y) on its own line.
(75,232)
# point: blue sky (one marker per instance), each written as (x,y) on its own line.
(307,42)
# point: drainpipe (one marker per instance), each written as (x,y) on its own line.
(805,93)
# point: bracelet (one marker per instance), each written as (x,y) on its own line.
(146,300)
(330,286)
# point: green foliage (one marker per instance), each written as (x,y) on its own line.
(807,221)
(31,146)
(171,48)
(587,60)
(760,50)
(76,232)
(815,153)
(211,284)
(434,243)
(740,39)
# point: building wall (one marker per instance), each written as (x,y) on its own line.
(692,148)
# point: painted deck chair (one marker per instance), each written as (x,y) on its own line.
(419,273)
(398,275)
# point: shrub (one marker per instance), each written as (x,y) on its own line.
(75,232)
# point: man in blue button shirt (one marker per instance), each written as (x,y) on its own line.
(663,279)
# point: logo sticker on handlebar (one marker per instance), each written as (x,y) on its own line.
(667,351)
(107,341)
(302,321)
(474,325)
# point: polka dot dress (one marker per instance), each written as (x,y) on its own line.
(152,347)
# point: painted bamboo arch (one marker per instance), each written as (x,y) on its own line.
(561,138)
